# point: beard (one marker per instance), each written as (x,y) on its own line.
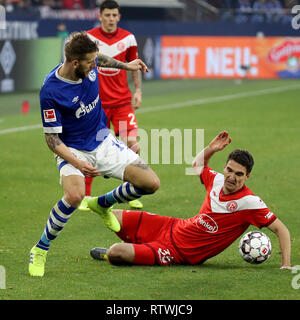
(79,72)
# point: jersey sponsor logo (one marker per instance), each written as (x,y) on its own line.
(165,256)
(49,115)
(269,215)
(83,109)
(206,223)
(232,206)
(108,71)
(92,75)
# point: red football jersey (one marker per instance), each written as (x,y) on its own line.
(120,45)
(220,221)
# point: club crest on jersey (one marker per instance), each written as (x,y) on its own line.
(49,115)
(121,46)
(83,109)
(75,99)
(232,206)
(206,223)
(92,75)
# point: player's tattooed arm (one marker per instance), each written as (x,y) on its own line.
(108,62)
(52,140)
(59,148)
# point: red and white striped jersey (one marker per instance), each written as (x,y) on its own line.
(220,221)
(120,45)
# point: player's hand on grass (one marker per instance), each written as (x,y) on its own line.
(220,141)
(87,169)
(137,64)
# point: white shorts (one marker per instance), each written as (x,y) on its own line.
(111,157)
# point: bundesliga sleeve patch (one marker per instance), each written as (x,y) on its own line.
(49,115)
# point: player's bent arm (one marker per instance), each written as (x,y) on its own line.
(283,235)
(137,80)
(217,144)
(202,159)
(108,62)
(58,147)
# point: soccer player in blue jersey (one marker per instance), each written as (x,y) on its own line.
(75,130)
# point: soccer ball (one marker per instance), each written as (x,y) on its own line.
(255,247)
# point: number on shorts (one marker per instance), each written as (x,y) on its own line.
(132,121)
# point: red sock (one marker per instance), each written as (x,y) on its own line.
(88,185)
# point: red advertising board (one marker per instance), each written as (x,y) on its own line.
(229,57)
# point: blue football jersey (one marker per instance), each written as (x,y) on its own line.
(72,109)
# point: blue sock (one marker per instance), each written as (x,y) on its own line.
(123,193)
(59,216)
(44,242)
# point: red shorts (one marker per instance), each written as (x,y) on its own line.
(123,120)
(150,235)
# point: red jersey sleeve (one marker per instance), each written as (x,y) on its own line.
(132,53)
(261,217)
(207,176)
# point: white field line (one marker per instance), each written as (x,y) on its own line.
(191,103)
(25,128)
(184,104)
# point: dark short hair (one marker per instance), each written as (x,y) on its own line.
(78,45)
(109,4)
(243,157)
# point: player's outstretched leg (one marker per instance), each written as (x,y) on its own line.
(118,254)
(123,193)
(105,213)
(102,205)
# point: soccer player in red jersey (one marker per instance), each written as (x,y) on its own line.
(226,213)
(117,100)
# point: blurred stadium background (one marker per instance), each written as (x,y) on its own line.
(177,38)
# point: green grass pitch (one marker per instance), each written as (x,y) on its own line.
(261,116)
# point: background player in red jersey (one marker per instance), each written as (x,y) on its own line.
(226,213)
(117,100)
